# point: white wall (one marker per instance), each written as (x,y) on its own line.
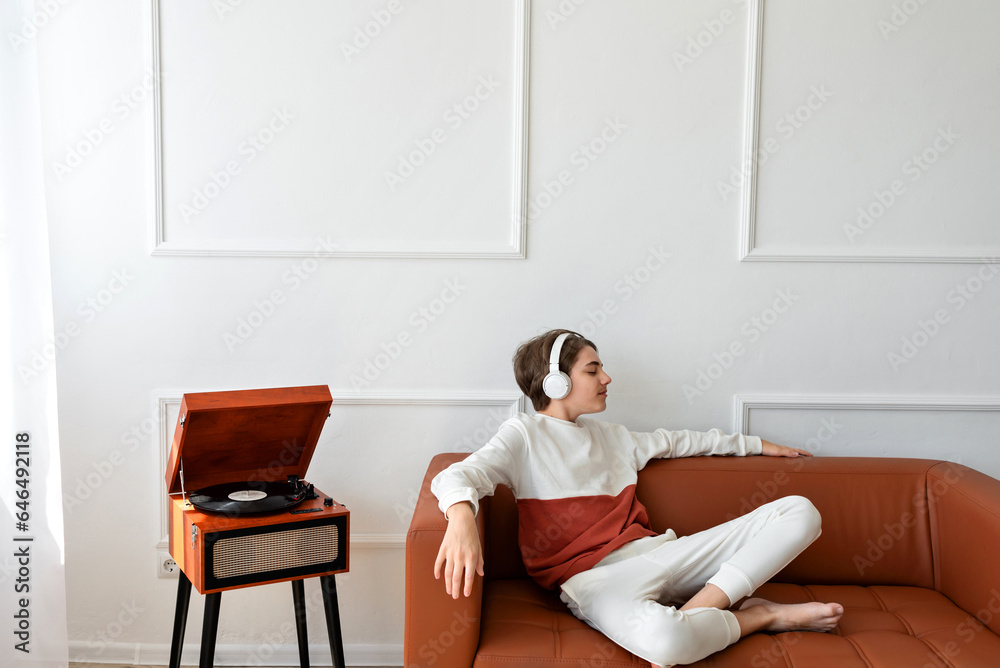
(775,277)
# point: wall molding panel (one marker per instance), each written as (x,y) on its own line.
(514,247)
(926,427)
(745,404)
(749,219)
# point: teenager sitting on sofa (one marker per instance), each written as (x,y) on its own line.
(582,529)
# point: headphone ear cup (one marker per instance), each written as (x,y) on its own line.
(556,385)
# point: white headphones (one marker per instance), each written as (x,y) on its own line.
(556,384)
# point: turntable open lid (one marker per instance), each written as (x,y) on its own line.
(246,435)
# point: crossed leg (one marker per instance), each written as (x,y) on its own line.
(758,614)
(632,601)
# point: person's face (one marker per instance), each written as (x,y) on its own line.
(590,384)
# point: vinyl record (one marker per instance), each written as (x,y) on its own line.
(239,498)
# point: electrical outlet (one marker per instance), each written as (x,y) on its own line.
(166,567)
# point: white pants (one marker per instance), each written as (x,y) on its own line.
(630,595)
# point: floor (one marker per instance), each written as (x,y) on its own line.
(120,665)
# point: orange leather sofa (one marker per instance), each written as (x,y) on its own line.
(910,547)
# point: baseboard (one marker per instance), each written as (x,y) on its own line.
(263,654)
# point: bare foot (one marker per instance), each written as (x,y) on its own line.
(798,616)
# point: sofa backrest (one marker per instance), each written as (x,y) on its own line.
(501,554)
(876,516)
(876,520)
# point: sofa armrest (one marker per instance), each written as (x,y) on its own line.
(965,533)
(439,630)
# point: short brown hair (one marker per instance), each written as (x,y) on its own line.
(531,362)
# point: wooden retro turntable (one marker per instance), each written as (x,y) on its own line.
(241,512)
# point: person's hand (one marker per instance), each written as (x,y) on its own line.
(774,450)
(461,555)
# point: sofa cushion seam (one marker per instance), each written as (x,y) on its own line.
(920,636)
(936,653)
(556,644)
(524,622)
(784,653)
(881,603)
(860,651)
(497,657)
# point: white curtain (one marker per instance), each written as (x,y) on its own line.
(32,573)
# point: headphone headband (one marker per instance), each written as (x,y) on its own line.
(556,351)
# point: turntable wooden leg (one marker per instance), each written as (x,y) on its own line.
(299,600)
(180,620)
(209,629)
(329,587)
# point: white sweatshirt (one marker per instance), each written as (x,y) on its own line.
(574,483)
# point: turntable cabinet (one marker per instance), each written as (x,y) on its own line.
(242,456)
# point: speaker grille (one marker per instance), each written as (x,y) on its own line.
(260,553)
(276,552)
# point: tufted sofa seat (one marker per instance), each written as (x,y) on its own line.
(911,548)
